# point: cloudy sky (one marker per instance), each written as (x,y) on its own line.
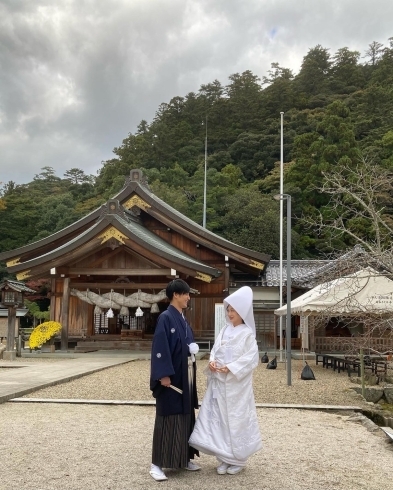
(77,76)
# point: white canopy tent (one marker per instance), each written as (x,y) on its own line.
(365,291)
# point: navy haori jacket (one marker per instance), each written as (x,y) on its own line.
(169,357)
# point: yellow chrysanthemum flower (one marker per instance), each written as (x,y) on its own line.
(42,333)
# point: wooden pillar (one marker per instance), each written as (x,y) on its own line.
(226,278)
(85,320)
(10,353)
(52,308)
(90,320)
(65,313)
(311,330)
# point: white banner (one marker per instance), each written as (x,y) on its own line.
(304,331)
(219,318)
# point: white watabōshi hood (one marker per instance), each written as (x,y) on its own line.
(241,301)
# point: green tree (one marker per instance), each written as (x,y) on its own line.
(47,181)
(346,74)
(19,219)
(374,53)
(77,176)
(278,96)
(244,101)
(252,220)
(36,313)
(56,212)
(313,77)
(331,145)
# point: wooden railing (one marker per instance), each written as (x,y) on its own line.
(204,334)
(353,344)
(204,338)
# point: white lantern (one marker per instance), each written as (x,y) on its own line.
(109,313)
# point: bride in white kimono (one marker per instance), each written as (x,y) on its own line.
(227,425)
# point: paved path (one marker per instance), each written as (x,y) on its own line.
(18,378)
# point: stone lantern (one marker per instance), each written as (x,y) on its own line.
(12,297)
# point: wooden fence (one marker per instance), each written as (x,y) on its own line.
(370,345)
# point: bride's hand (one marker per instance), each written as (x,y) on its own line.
(214,369)
(212,366)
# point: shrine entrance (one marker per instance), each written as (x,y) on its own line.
(126,326)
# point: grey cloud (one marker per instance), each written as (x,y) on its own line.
(76,77)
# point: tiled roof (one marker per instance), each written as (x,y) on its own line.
(300,269)
(200,230)
(66,238)
(158,243)
(52,253)
(17,286)
(135,231)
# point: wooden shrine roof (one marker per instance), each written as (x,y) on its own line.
(120,216)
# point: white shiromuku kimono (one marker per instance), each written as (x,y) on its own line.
(227,425)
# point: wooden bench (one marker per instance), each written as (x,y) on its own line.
(339,363)
(377,365)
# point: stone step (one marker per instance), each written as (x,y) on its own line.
(91,346)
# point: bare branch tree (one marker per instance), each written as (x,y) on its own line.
(359,209)
(360,212)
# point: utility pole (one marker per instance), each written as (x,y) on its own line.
(204,185)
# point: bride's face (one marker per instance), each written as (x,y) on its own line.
(234,316)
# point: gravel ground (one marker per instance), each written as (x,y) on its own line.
(54,446)
(72,447)
(131,382)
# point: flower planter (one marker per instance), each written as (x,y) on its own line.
(49,346)
(43,336)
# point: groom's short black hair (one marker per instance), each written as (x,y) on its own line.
(177,286)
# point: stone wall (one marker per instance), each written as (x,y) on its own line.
(4,327)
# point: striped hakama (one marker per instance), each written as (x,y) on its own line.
(171,434)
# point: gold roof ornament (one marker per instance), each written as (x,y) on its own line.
(13,262)
(112,232)
(257,265)
(203,277)
(23,275)
(136,201)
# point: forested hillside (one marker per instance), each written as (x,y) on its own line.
(338,109)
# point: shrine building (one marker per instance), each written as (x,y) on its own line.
(120,257)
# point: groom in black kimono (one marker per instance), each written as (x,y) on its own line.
(173,383)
